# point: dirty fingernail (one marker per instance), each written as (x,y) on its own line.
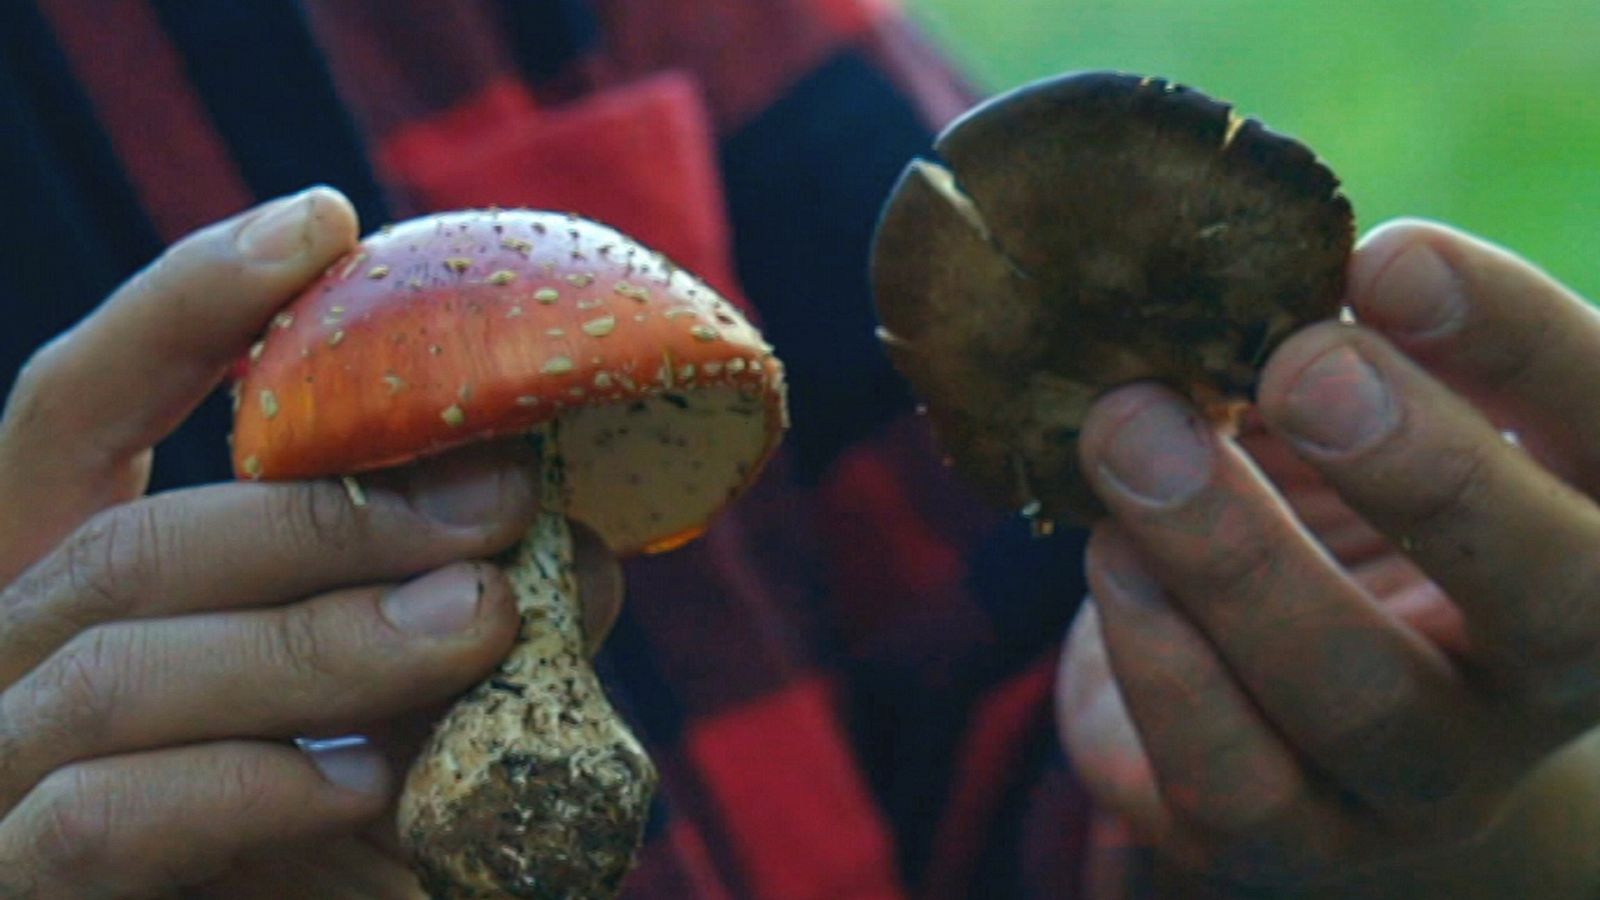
(1339,403)
(1417,295)
(351,763)
(438,604)
(1161,454)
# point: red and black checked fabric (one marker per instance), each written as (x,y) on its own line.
(847,682)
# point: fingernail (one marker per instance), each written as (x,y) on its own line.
(1417,295)
(278,232)
(1120,564)
(1161,454)
(467,495)
(438,604)
(1339,403)
(348,762)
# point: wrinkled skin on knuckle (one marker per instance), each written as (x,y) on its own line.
(1449,482)
(71,824)
(78,689)
(1229,555)
(319,515)
(81,830)
(25,600)
(246,784)
(109,562)
(298,641)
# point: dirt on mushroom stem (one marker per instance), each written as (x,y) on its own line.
(531,785)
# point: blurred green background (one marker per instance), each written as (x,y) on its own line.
(1482,114)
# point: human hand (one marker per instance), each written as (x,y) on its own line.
(1342,650)
(158,655)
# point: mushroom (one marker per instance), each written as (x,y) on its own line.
(1090,230)
(648,403)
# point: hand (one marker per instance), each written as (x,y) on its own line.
(158,655)
(1342,649)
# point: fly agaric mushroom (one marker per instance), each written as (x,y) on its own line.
(650,403)
(1091,230)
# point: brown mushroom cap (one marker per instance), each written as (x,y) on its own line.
(1091,230)
(465,326)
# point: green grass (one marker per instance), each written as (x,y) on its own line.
(1479,113)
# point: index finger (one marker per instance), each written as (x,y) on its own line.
(1368,701)
(1490,325)
(88,407)
(1512,544)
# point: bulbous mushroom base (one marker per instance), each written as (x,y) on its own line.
(531,786)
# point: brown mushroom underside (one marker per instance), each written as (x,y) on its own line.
(1091,230)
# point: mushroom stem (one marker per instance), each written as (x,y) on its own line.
(531,785)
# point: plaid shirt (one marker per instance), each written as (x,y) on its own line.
(847,683)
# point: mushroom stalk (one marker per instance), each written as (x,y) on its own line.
(531,785)
(467,326)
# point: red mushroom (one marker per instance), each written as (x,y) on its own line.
(649,403)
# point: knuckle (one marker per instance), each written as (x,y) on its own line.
(1378,694)
(320,515)
(112,560)
(74,821)
(78,688)
(173,268)
(245,783)
(1511,364)
(1453,479)
(298,643)
(176,275)
(1243,566)
(31,389)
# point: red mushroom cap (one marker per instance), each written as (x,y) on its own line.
(465,326)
